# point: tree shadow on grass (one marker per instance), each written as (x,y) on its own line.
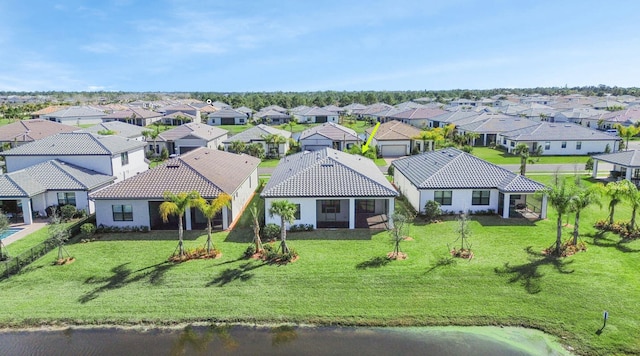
(603,239)
(240,234)
(374,262)
(442,262)
(528,275)
(122,276)
(241,273)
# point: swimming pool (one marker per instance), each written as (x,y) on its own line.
(10,231)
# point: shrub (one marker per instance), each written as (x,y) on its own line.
(164,154)
(432,210)
(271,232)
(390,170)
(88,229)
(67,212)
(250,251)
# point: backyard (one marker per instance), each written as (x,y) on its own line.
(496,156)
(343,278)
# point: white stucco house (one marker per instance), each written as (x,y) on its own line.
(31,190)
(462,182)
(187,137)
(227,117)
(257,134)
(111,155)
(329,135)
(332,189)
(136,201)
(76,115)
(316,115)
(395,139)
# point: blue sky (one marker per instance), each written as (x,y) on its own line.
(296,45)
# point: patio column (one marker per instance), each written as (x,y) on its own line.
(505,205)
(543,207)
(352,213)
(225,213)
(187,218)
(392,208)
(595,169)
(628,173)
(27,214)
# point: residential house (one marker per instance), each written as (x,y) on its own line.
(76,115)
(317,115)
(459,181)
(622,165)
(111,155)
(28,192)
(180,118)
(136,201)
(227,117)
(560,139)
(489,126)
(187,137)
(257,134)
(331,189)
(457,117)
(394,139)
(24,131)
(330,135)
(44,111)
(271,116)
(627,117)
(354,108)
(419,117)
(135,116)
(587,117)
(117,128)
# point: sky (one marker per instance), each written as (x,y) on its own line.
(299,45)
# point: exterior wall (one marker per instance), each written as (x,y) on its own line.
(243,194)
(85,120)
(39,203)
(215,121)
(307,118)
(104,213)
(307,211)
(407,189)
(189,143)
(135,166)
(461,200)
(344,209)
(101,164)
(556,146)
(406,143)
(316,140)
(51,198)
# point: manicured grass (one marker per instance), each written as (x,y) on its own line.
(269,163)
(342,277)
(501,157)
(235,129)
(29,241)
(359,126)
(4,121)
(380,162)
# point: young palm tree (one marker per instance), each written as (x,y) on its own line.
(522,149)
(448,132)
(237,146)
(583,198)
(177,204)
(615,191)
(286,210)
(274,141)
(256,227)
(471,137)
(627,133)
(560,196)
(209,210)
(633,197)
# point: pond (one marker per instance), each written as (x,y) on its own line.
(281,340)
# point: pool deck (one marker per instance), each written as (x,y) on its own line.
(26,230)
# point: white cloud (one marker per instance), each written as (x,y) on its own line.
(100,47)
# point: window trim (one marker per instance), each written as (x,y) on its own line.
(479,200)
(443,200)
(296,215)
(547,145)
(369,203)
(124,158)
(123,215)
(328,203)
(66,198)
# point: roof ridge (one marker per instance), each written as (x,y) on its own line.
(16,184)
(308,167)
(365,176)
(58,164)
(198,173)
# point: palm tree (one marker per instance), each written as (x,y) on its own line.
(448,132)
(286,210)
(237,146)
(177,204)
(627,133)
(274,141)
(581,200)
(471,137)
(560,196)
(424,136)
(522,149)
(256,227)
(633,197)
(615,191)
(209,210)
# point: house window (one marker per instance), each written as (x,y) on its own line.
(579,145)
(547,145)
(443,197)
(513,143)
(296,215)
(480,197)
(124,156)
(241,121)
(564,144)
(330,206)
(504,141)
(367,206)
(122,212)
(66,198)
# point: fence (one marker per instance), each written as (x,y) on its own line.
(15,264)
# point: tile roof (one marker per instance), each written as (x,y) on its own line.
(497,123)
(31,130)
(203,131)
(418,114)
(272,114)
(394,130)
(622,158)
(135,113)
(180,115)
(547,131)
(316,111)
(75,111)
(244,110)
(121,129)
(75,143)
(257,133)
(327,173)
(47,110)
(50,175)
(274,107)
(208,171)
(228,113)
(331,131)
(450,168)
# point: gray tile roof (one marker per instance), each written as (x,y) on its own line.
(121,129)
(494,123)
(622,158)
(203,131)
(394,130)
(31,130)
(270,113)
(75,143)
(316,111)
(132,113)
(257,133)
(546,131)
(331,131)
(50,175)
(450,168)
(76,111)
(228,113)
(205,170)
(418,114)
(327,173)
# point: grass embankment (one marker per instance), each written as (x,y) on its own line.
(342,277)
(501,157)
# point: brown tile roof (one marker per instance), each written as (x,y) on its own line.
(205,170)
(31,130)
(394,130)
(47,110)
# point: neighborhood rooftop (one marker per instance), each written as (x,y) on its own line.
(75,143)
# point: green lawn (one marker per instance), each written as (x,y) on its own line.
(269,162)
(342,277)
(359,126)
(501,157)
